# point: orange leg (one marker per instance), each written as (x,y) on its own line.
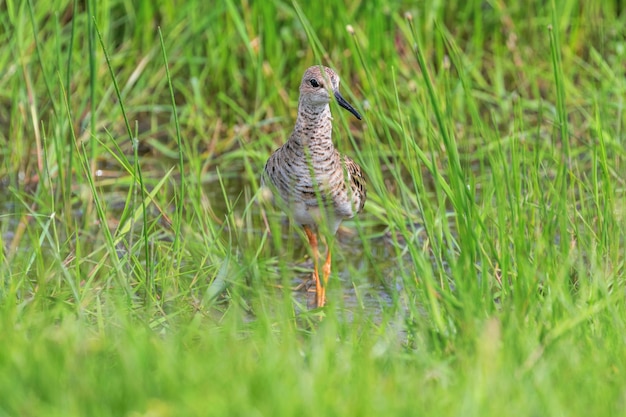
(320,285)
(321,299)
(316,255)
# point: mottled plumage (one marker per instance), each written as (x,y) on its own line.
(307,170)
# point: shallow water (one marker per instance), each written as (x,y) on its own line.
(358,286)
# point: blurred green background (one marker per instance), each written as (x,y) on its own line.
(139,277)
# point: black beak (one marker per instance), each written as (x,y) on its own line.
(343,103)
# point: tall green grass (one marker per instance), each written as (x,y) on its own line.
(485,277)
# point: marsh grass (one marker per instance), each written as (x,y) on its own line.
(485,277)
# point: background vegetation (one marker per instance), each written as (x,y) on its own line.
(485,277)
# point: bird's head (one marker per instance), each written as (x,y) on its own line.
(318,83)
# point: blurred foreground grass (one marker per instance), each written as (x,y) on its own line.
(486,276)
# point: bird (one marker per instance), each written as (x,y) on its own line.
(311,181)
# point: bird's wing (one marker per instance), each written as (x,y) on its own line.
(357,183)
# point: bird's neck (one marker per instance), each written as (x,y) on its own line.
(313,126)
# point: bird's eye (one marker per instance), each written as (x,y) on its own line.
(314,83)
